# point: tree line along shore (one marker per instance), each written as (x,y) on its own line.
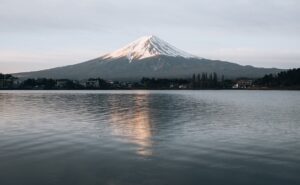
(289,79)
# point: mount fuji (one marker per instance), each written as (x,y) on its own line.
(148,56)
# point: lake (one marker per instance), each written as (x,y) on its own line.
(149,137)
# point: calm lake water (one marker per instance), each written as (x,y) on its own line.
(149,137)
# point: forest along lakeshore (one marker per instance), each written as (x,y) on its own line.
(289,79)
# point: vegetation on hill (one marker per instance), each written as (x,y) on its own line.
(285,79)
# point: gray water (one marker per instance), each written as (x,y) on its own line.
(149,137)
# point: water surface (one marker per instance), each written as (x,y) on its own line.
(149,137)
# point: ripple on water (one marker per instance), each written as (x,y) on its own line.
(149,137)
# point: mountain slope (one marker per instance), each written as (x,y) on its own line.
(148,57)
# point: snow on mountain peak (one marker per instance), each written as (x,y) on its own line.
(145,47)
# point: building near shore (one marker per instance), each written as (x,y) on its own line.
(243,84)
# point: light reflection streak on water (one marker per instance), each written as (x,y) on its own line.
(133,123)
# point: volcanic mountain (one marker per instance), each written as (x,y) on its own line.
(149,57)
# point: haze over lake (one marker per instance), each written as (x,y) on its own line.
(149,137)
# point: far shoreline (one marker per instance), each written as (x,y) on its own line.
(250,89)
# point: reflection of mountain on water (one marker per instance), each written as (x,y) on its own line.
(139,117)
(132,122)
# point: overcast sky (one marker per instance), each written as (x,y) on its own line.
(39,34)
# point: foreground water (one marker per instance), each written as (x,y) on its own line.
(149,137)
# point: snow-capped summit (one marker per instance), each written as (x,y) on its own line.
(145,47)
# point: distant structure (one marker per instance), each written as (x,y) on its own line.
(92,83)
(243,84)
(61,83)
